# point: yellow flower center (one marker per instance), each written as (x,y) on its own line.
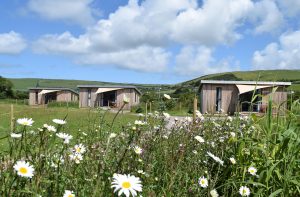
(244,191)
(203,182)
(70,195)
(126,185)
(23,170)
(78,150)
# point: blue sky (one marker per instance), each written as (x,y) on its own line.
(146,41)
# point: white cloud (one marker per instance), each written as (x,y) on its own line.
(76,11)
(290,7)
(214,23)
(11,43)
(266,16)
(195,61)
(282,55)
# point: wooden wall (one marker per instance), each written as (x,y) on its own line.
(279,97)
(208,98)
(62,96)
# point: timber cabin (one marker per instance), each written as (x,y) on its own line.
(235,96)
(44,95)
(108,96)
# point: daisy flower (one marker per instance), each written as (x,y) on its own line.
(139,122)
(203,182)
(126,184)
(25,121)
(199,139)
(217,159)
(79,149)
(214,193)
(69,193)
(138,150)
(232,160)
(166,115)
(112,135)
(65,137)
(167,96)
(244,191)
(76,157)
(125,99)
(232,134)
(24,169)
(16,135)
(252,170)
(59,121)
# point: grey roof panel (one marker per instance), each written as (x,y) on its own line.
(246,82)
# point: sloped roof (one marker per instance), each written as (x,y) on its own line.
(272,83)
(53,88)
(110,86)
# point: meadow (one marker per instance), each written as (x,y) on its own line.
(82,152)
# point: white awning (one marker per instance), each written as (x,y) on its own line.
(48,91)
(249,88)
(101,90)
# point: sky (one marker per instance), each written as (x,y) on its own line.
(146,41)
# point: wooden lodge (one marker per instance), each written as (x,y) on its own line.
(108,96)
(44,95)
(236,96)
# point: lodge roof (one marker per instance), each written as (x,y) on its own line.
(109,86)
(275,83)
(53,88)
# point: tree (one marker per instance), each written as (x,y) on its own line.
(6,88)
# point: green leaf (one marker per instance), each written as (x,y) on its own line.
(275,193)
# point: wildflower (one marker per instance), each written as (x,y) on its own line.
(15,135)
(252,170)
(65,137)
(203,182)
(232,134)
(126,184)
(79,149)
(25,121)
(69,193)
(195,152)
(24,169)
(138,150)
(139,122)
(199,139)
(217,159)
(141,115)
(214,193)
(166,115)
(125,99)
(167,96)
(51,128)
(188,119)
(232,160)
(76,157)
(112,135)
(141,172)
(244,191)
(59,121)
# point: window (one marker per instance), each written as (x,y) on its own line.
(218,99)
(89,97)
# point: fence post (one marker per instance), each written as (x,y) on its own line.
(12,119)
(146,110)
(195,108)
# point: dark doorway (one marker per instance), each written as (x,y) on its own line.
(109,98)
(218,99)
(50,97)
(245,100)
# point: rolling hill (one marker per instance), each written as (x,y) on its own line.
(22,84)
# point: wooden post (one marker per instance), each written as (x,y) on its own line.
(146,110)
(12,119)
(195,108)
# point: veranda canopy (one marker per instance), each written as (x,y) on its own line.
(249,88)
(48,91)
(101,90)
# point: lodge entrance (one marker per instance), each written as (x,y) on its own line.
(108,99)
(245,101)
(50,97)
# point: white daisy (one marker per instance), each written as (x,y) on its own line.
(252,170)
(166,115)
(126,184)
(76,157)
(125,99)
(232,134)
(59,121)
(16,135)
(203,182)
(25,121)
(232,160)
(199,139)
(214,193)
(139,122)
(69,193)
(138,150)
(79,148)
(217,159)
(167,96)
(112,135)
(24,169)
(65,137)
(244,191)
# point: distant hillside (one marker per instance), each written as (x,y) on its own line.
(23,84)
(259,75)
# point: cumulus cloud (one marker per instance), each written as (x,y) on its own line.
(11,43)
(266,16)
(195,61)
(290,7)
(75,11)
(282,55)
